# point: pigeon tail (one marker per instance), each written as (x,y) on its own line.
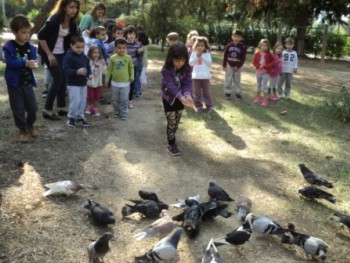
(141,235)
(127,210)
(221,241)
(47,193)
(331,199)
(327,184)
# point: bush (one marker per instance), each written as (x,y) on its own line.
(339,106)
(33,14)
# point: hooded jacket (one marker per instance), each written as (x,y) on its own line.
(71,63)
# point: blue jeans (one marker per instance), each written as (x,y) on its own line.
(135,86)
(120,100)
(77,101)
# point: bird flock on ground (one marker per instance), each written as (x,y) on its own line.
(168,229)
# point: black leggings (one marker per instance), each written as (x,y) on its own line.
(173,115)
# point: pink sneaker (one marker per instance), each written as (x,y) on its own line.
(273,96)
(131,105)
(89,110)
(97,112)
(257,99)
(264,103)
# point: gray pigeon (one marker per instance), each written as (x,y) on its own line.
(311,193)
(165,249)
(313,178)
(238,236)
(211,256)
(312,245)
(341,218)
(147,208)
(160,228)
(187,202)
(217,193)
(149,195)
(98,249)
(244,205)
(264,225)
(100,215)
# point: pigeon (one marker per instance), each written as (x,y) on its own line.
(237,237)
(217,193)
(210,256)
(264,225)
(147,208)
(213,209)
(244,205)
(187,202)
(149,195)
(165,249)
(311,193)
(100,215)
(63,188)
(341,218)
(312,245)
(98,249)
(160,228)
(313,178)
(192,219)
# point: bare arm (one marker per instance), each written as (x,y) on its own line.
(50,56)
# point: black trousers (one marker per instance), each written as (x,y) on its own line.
(173,115)
(23,105)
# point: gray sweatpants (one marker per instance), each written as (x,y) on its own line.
(77,101)
(288,78)
(262,79)
(235,77)
(120,100)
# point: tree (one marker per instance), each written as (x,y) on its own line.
(39,21)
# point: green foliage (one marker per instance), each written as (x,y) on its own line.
(220,33)
(2,22)
(339,106)
(33,14)
(335,45)
(347,47)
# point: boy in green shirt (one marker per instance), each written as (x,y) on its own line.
(120,72)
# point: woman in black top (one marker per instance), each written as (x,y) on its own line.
(54,38)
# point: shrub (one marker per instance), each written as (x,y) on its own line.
(339,106)
(33,14)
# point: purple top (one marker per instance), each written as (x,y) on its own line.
(176,85)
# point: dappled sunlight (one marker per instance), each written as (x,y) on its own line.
(24,196)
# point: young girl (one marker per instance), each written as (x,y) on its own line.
(201,60)
(275,71)
(176,91)
(143,39)
(98,66)
(263,61)
(191,38)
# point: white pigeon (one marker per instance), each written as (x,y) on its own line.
(164,250)
(211,256)
(63,187)
(99,248)
(187,202)
(159,228)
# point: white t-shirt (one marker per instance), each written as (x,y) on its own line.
(59,47)
(289,61)
(201,68)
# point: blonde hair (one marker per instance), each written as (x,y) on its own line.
(278,44)
(203,40)
(264,41)
(92,49)
(191,34)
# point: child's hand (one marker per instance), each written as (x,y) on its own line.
(187,101)
(90,77)
(235,68)
(32,64)
(199,54)
(81,71)
(141,50)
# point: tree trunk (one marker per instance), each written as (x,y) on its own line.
(302,23)
(40,20)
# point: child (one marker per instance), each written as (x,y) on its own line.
(135,50)
(76,65)
(143,39)
(263,61)
(289,66)
(191,38)
(120,72)
(47,81)
(172,38)
(117,33)
(234,58)
(20,58)
(98,66)
(275,71)
(201,60)
(100,35)
(176,91)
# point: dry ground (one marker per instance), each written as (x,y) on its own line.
(116,158)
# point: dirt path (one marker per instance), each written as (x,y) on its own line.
(116,158)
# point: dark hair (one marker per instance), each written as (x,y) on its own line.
(176,51)
(129,29)
(96,7)
(237,32)
(76,39)
(116,28)
(120,41)
(91,50)
(290,40)
(18,22)
(203,40)
(60,8)
(142,38)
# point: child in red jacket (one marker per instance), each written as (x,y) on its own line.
(263,61)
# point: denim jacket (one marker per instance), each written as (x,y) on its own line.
(176,86)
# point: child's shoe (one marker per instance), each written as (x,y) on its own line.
(239,96)
(173,150)
(97,112)
(23,137)
(228,96)
(209,109)
(131,104)
(82,122)
(32,132)
(89,110)
(199,110)
(257,99)
(71,122)
(264,103)
(273,97)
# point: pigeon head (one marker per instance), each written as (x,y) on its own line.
(163,213)
(77,187)
(302,166)
(107,236)
(212,184)
(88,204)
(249,218)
